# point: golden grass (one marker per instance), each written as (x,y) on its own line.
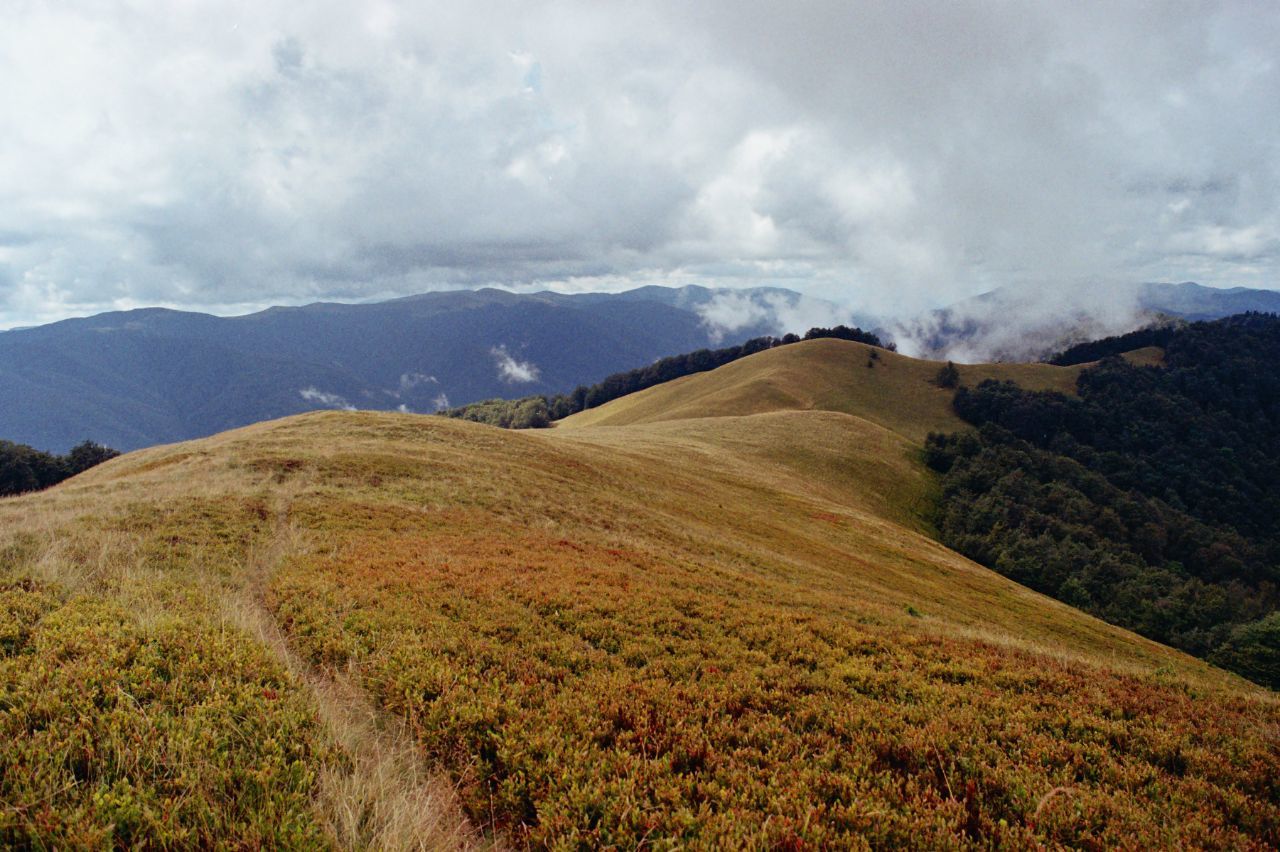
(687,568)
(896,392)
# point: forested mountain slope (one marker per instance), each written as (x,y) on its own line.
(1151,498)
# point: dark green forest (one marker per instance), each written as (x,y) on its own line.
(537,412)
(24,468)
(1150,500)
(1096,350)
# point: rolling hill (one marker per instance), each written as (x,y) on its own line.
(891,390)
(136,378)
(706,616)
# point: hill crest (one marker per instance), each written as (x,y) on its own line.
(892,390)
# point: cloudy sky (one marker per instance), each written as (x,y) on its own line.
(227,155)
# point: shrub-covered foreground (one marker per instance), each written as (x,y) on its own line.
(126,724)
(112,734)
(704,634)
(604,680)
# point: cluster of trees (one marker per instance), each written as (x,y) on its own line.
(530,412)
(535,412)
(24,468)
(1149,500)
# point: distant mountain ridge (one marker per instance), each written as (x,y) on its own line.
(131,379)
(135,378)
(1191,301)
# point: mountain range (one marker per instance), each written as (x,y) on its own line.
(136,378)
(132,379)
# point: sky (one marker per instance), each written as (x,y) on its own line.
(891,156)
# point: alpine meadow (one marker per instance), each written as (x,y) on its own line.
(710,614)
(639,427)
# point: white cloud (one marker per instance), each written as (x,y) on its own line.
(889,156)
(1019,324)
(512,371)
(410,380)
(729,312)
(800,315)
(1256,241)
(326,399)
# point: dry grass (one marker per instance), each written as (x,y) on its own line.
(691,569)
(382,796)
(180,543)
(896,392)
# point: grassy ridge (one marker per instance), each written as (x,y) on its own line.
(730,630)
(537,412)
(610,648)
(892,390)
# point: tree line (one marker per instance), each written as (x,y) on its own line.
(1149,500)
(24,468)
(536,412)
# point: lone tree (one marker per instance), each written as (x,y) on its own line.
(948,376)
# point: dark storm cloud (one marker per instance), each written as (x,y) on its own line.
(889,155)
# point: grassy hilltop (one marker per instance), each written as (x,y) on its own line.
(708,615)
(886,388)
